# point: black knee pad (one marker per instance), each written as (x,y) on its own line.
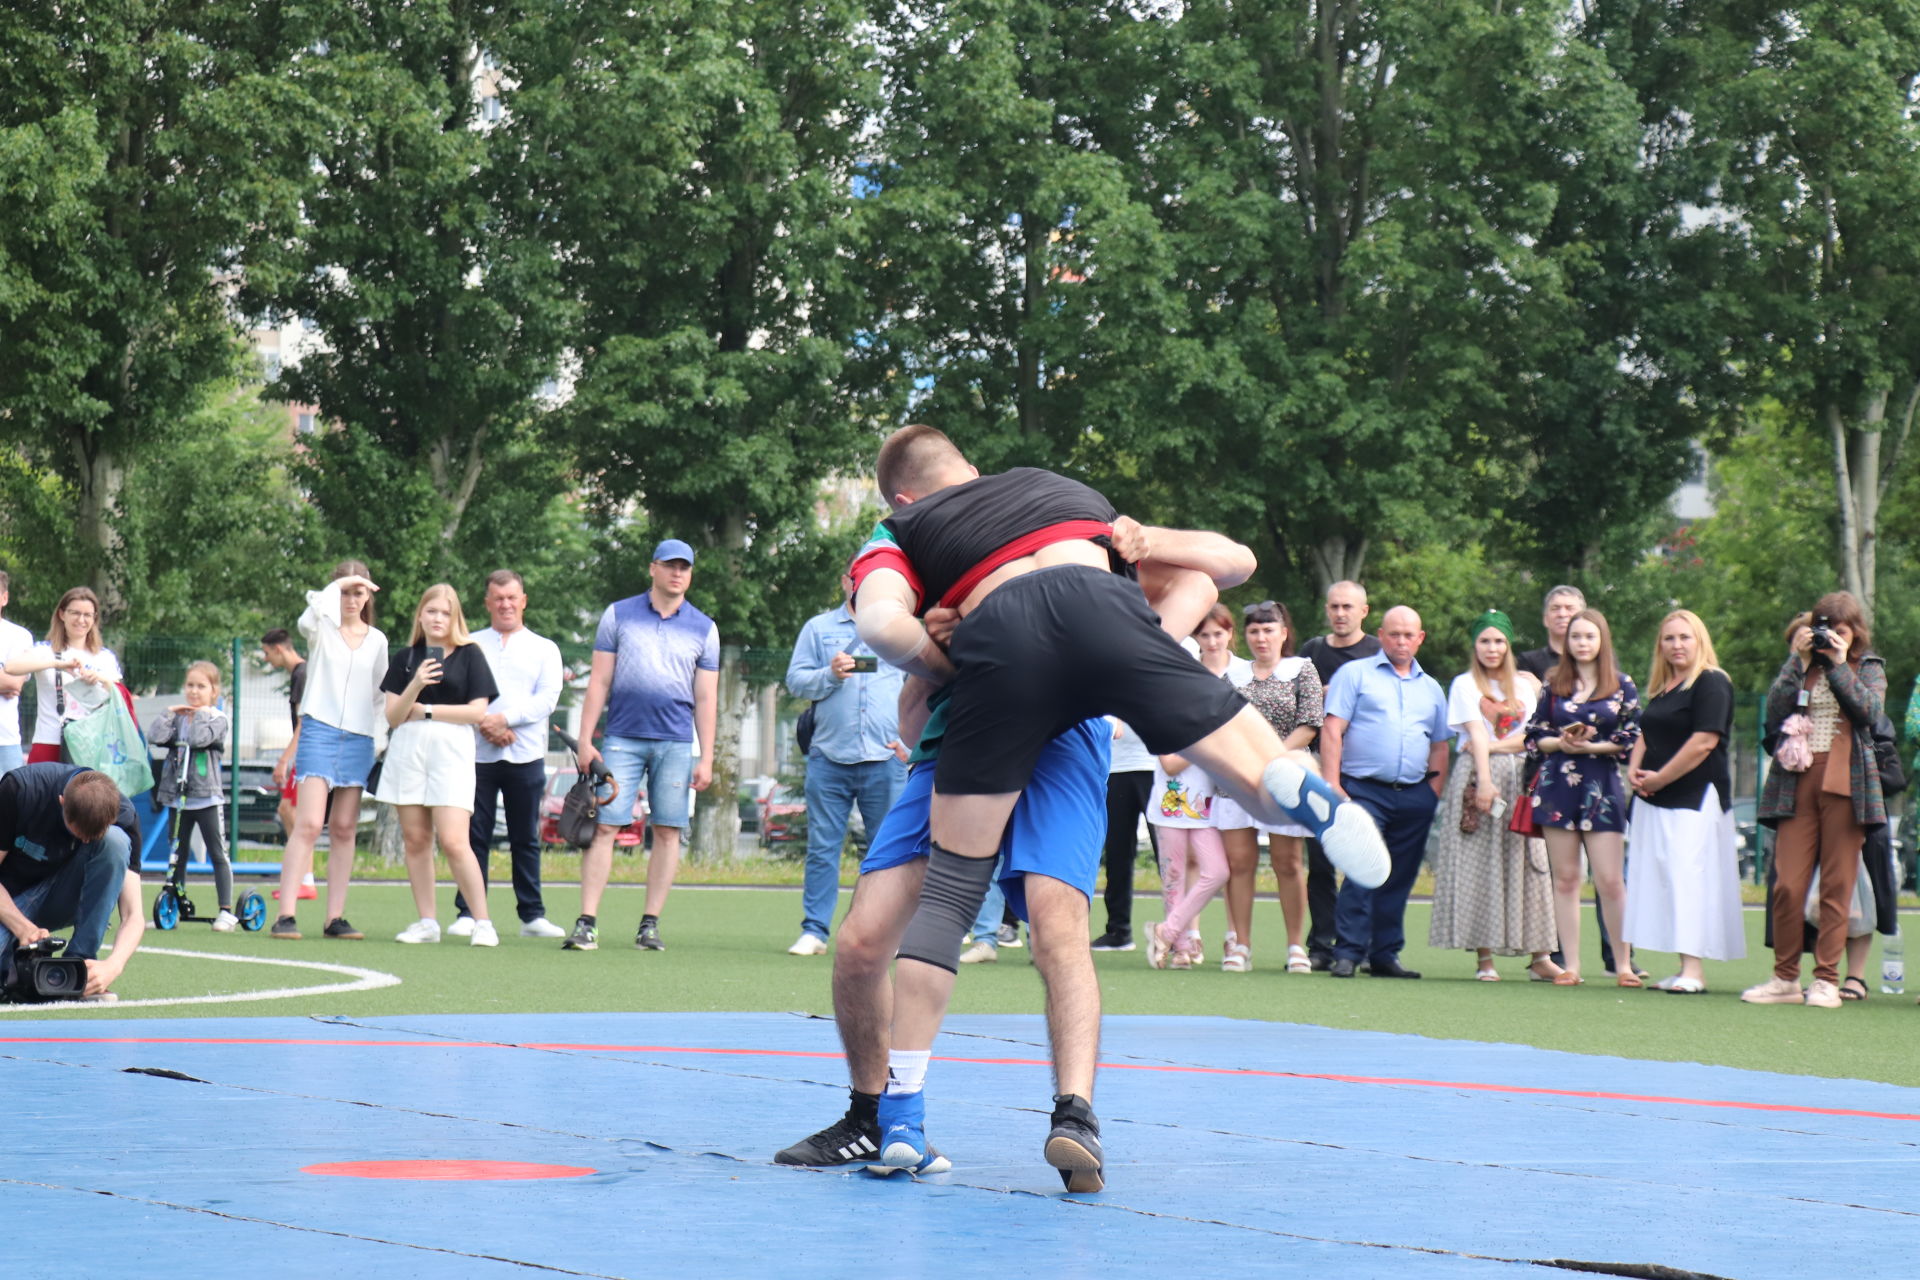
(950,900)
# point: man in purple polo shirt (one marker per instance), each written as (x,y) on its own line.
(656,672)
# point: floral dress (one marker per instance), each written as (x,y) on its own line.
(1582,792)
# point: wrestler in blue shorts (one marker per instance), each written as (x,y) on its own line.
(1056,835)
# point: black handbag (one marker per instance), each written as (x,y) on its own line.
(1886,754)
(579,820)
(803,729)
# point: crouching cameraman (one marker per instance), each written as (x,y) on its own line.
(66,842)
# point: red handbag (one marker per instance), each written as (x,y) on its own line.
(1522,823)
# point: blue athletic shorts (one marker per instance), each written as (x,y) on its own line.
(1058,828)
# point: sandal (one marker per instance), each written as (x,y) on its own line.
(1535,974)
(1487,973)
(1568,978)
(1680,986)
(1628,978)
(1854,988)
(1297,959)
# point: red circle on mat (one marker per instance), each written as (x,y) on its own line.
(447,1170)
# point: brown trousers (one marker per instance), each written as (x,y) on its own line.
(1822,832)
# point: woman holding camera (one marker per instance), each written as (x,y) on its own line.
(437,688)
(1685,893)
(1585,722)
(1823,791)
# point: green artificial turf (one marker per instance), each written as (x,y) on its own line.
(727,951)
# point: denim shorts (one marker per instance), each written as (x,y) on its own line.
(330,753)
(661,771)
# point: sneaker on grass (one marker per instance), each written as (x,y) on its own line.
(421,930)
(1114,940)
(583,937)
(286,928)
(1009,936)
(647,938)
(462,927)
(541,927)
(225,922)
(981,952)
(338,927)
(808,944)
(483,934)
(1775,991)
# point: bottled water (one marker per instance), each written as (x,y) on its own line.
(1893,964)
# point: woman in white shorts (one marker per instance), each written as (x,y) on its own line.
(437,688)
(1286,690)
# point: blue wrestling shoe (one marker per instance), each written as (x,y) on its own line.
(903,1137)
(1342,827)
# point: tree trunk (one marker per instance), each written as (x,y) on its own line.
(716,819)
(1857,484)
(101,480)
(1338,558)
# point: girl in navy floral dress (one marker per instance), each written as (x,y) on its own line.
(1586,721)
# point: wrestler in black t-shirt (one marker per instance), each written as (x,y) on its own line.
(464,676)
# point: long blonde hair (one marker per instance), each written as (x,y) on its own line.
(441,591)
(1509,674)
(1704,658)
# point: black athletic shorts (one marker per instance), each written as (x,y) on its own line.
(1052,648)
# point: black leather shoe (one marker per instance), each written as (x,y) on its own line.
(1340,967)
(1320,961)
(1393,969)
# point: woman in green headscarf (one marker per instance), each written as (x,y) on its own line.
(1492,893)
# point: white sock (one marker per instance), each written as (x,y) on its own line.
(307,880)
(907,1071)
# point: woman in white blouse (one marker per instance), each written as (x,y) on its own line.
(76,673)
(346,658)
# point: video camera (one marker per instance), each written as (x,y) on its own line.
(39,976)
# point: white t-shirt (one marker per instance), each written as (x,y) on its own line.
(1463,706)
(1184,800)
(1130,755)
(14,641)
(81,698)
(343,683)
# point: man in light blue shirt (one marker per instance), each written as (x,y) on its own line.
(856,755)
(1385,741)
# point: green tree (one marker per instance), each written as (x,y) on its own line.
(142,149)
(423,266)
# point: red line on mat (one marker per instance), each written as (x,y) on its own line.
(1170,1068)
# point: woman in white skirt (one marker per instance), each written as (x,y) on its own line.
(1492,892)
(1684,892)
(437,688)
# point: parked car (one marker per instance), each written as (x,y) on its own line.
(559,781)
(783,815)
(259,803)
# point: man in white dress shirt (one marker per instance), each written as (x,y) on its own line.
(510,749)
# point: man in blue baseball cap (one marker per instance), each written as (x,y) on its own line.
(656,673)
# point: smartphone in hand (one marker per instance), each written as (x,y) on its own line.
(1499,809)
(865,664)
(436,653)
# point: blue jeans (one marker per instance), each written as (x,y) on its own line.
(832,791)
(80,895)
(11,758)
(1372,922)
(986,925)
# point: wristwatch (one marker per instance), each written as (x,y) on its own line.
(427,712)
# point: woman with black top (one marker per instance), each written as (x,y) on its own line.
(1684,894)
(437,688)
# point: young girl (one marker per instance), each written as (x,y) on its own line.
(437,688)
(77,675)
(1586,721)
(1182,808)
(347,653)
(190,779)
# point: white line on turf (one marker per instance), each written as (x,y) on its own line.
(362,980)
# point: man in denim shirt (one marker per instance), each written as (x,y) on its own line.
(856,755)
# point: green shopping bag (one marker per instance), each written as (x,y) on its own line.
(109,740)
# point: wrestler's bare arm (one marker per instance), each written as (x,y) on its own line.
(914,711)
(883,609)
(1182,570)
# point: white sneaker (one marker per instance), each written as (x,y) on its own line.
(1823,994)
(462,927)
(225,922)
(1774,991)
(541,927)
(484,934)
(808,944)
(421,930)
(980,953)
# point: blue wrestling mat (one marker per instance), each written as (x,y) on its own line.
(641,1145)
